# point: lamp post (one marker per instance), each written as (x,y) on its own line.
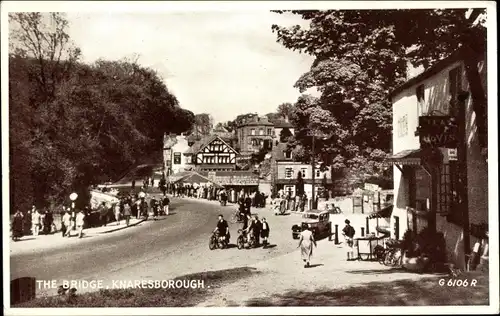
(73,196)
(313,152)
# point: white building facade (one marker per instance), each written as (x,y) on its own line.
(425,180)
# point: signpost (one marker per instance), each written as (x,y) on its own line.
(438,131)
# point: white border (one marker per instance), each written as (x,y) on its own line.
(137,6)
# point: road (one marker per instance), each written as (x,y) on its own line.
(154,250)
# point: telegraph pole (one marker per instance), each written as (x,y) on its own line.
(313,152)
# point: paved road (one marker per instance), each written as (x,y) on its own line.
(167,248)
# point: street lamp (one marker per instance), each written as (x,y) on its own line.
(73,196)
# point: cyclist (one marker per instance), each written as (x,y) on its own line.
(223,228)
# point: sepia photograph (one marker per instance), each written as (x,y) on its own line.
(220,157)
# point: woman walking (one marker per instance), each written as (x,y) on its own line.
(117,213)
(306,243)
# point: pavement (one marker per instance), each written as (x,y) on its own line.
(31,244)
(286,274)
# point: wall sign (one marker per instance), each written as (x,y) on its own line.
(437,131)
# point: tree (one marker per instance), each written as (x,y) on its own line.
(203,124)
(285,134)
(360,56)
(73,125)
(286,110)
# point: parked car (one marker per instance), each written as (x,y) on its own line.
(319,221)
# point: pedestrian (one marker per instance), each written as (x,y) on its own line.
(127,212)
(80,222)
(66,220)
(133,184)
(166,204)
(17,225)
(303,202)
(265,232)
(349,233)
(27,222)
(257,230)
(248,204)
(154,207)
(103,214)
(306,243)
(117,213)
(49,222)
(35,222)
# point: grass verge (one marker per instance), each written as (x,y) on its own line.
(169,297)
(424,292)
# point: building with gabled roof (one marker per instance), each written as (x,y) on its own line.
(211,153)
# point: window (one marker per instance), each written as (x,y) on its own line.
(252,131)
(261,131)
(420,92)
(177,158)
(448,194)
(288,154)
(318,173)
(303,171)
(403,126)
(269,131)
(288,173)
(455,80)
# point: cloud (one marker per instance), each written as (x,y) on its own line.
(223,63)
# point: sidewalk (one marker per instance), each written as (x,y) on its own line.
(32,243)
(285,274)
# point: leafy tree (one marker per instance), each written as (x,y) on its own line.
(203,124)
(360,56)
(285,134)
(286,110)
(71,124)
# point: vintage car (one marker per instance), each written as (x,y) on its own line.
(318,220)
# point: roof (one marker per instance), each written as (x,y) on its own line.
(194,177)
(199,145)
(256,121)
(406,157)
(383,213)
(316,211)
(236,178)
(281,123)
(436,68)
(141,172)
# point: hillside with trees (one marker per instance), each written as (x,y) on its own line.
(72,124)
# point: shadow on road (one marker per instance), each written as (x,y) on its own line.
(423,292)
(315,265)
(269,246)
(24,239)
(380,271)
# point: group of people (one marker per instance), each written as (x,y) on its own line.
(253,228)
(33,222)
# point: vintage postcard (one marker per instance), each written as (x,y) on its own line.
(249,157)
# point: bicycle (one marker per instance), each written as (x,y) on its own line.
(237,217)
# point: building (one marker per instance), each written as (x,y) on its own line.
(254,133)
(434,122)
(174,148)
(285,173)
(211,153)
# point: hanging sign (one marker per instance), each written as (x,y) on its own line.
(437,131)
(452,154)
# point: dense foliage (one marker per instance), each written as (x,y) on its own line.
(360,56)
(71,124)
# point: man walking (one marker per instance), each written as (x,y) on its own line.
(35,221)
(66,220)
(265,232)
(80,222)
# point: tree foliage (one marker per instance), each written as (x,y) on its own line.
(360,56)
(71,124)
(203,124)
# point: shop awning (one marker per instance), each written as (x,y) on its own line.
(197,178)
(406,157)
(383,213)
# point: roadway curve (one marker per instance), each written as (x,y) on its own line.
(158,250)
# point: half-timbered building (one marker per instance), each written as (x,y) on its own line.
(212,153)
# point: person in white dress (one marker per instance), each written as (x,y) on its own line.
(80,221)
(306,242)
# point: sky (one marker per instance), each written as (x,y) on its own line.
(221,63)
